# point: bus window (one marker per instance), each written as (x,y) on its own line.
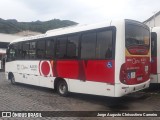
(41,49)
(49,49)
(19,51)
(25,52)
(32,50)
(61,45)
(72,46)
(104,45)
(88,46)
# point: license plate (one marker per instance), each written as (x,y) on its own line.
(139,78)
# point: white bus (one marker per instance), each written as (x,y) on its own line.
(155,56)
(107,59)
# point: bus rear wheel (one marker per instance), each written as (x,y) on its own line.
(62,88)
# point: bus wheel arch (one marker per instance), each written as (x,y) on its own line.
(11,78)
(61,86)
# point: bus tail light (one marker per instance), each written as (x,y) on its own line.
(123,73)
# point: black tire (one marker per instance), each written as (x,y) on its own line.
(13,80)
(62,88)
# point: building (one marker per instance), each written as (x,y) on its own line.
(153,20)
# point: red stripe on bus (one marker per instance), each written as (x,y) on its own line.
(91,70)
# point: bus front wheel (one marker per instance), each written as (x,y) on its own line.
(62,88)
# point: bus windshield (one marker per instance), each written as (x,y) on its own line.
(137,39)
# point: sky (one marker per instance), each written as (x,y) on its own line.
(80,11)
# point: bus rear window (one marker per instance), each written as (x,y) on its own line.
(137,39)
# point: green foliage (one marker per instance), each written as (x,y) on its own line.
(13,26)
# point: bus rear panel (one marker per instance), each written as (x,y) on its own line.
(135,68)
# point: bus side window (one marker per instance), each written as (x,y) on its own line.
(72,46)
(41,49)
(19,51)
(88,45)
(32,50)
(61,44)
(50,49)
(104,44)
(25,52)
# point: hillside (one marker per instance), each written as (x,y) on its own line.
(12,26)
